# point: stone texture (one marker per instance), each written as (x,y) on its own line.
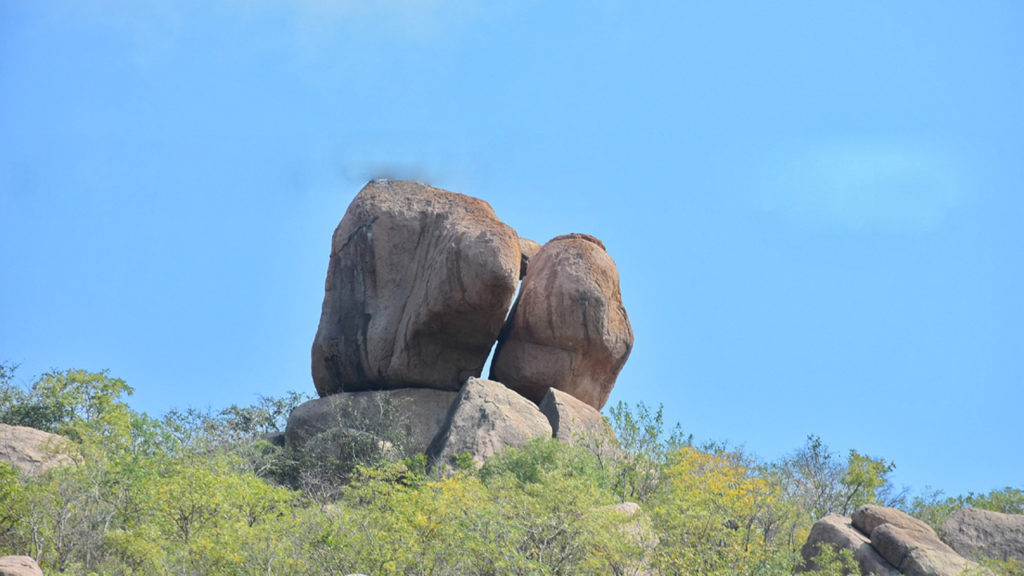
(19,566)
(575,422)
(839,532)
(33,451)
(868,517)
(418,286)
(638,531)
(978,534)
(568,328)
(917,553)
(419,412)
(485,418)
(528,249)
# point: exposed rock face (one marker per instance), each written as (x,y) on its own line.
(418,412)
(32,451)
(838,531)
(888,542)
(868,517)
(568,328)
(485,418)
(19,566)
(978,534)
(574,422)
(529,249)
(917,553)
(418,285)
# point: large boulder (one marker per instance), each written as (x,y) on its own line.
(19,566)
(917,553)
(568,328)
(837,531)
(418,286)
(485,418)
(418,413)
(33,451)
(979,534)
(574,422)
(868,517)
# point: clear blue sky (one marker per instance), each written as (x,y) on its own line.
(816,207)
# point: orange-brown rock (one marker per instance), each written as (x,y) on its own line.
(528,249)
(568,328)
(418,286)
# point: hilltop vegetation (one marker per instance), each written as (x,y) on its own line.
(208,493)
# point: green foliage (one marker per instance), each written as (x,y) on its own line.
(933,508)
(206,493)
(720,514)
(84,406)
(636,474)
(822,484)
(832,562)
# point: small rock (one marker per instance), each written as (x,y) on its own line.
(575,422)
(528,249)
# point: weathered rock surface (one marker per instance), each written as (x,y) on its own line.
(887,541)
(978,534)
(568,328)
(528,249)
(33,451)
(419,413)
(19,566)
(485,418)
(418,286)
(838,531)
(575,422)
(916,552)
(867,518)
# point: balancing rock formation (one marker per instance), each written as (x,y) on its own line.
(568,329)
(418,288)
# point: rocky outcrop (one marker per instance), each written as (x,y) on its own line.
(916,552)
(979,534)
(888,542)
(485,418)
(19,566)
(33,451)
(838,531)
(418,286)
(568,328)
(868,517)
(528,249)
(573,421)
(418,413)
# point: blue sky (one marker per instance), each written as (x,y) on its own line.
(815,207)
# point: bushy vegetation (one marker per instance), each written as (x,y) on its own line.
(199,493)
